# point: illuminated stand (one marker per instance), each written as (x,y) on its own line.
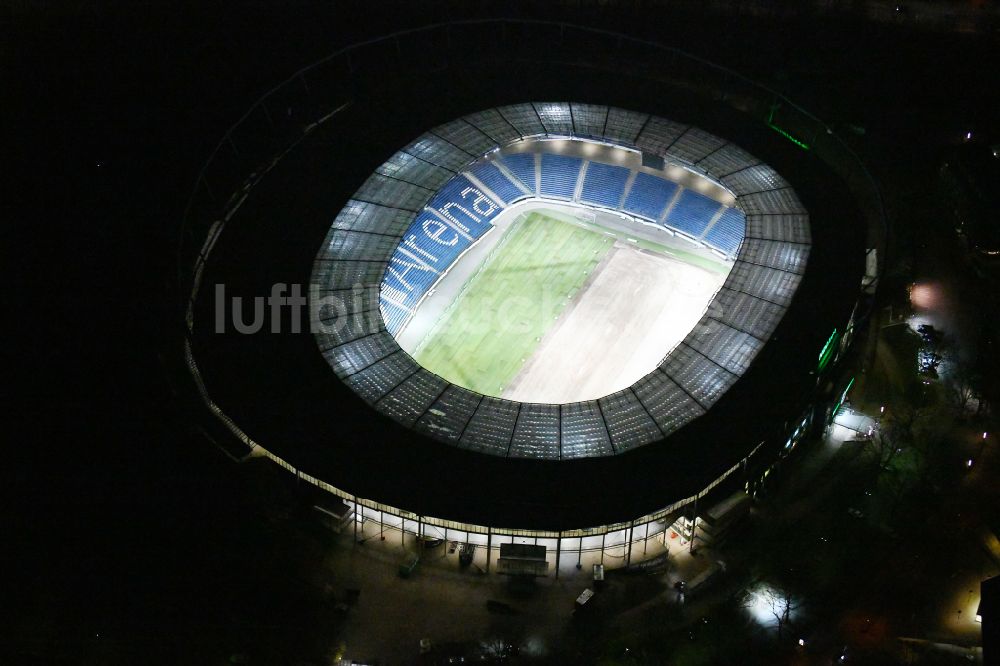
(703,188)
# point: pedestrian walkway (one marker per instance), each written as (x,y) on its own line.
(849,424)
(446,602)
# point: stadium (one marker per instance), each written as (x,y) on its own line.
(565,287)
(592,270)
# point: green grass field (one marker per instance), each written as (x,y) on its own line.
(681,255)
(504,310)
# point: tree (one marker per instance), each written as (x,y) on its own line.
(963,387)
(932,349)
(970,381)
(900,430)
(774,605)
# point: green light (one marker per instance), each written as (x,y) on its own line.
(827,352)
(800,144)
(843,397)
(770,123)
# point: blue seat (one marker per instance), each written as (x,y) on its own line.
(499,184)
(604,184)
(393,316)
(559,175)
(522,165)
(429,246)
(692,213)
(649,196)
(728,232)
(464,204)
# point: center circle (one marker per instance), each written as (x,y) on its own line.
(559,270)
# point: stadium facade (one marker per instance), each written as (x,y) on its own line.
(407,450)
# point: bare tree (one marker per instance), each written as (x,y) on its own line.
(963,387)
(899,431)
(496,647)
(779,603)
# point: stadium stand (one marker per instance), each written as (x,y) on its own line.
(425,252)
(692,212)
(604,184)
(727,233)
(465,206)
(460,213)
(559,175)
(395,316)
(649,196)
(411,220)
(523,166)
(490,176)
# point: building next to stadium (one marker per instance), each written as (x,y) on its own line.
(370,174)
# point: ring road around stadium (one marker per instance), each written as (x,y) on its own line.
(571,324)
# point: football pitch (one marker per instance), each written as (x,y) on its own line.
(505,309)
